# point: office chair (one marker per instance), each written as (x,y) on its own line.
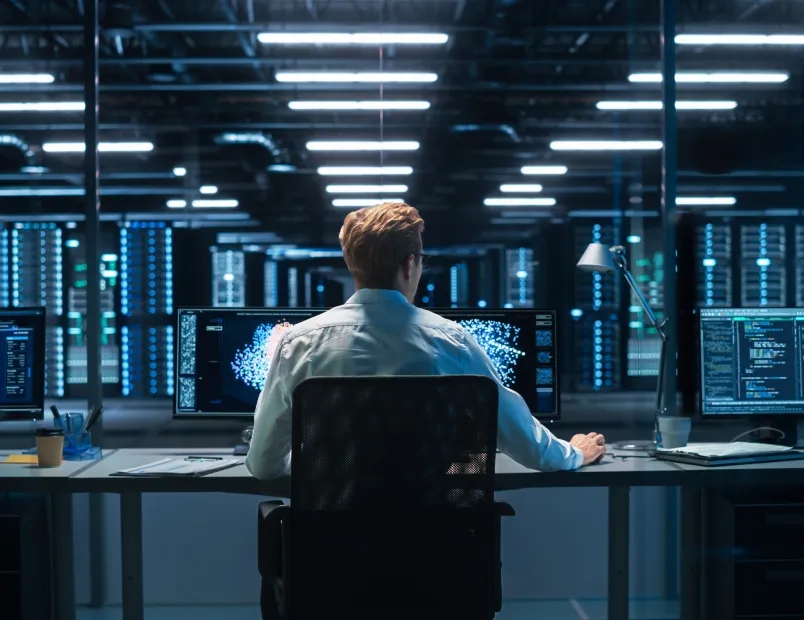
(392,511)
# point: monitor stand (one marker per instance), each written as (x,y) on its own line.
(787,424)
(241,448)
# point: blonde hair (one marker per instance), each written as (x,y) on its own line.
(376,240)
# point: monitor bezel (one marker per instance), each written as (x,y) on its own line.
(699,364)
(496,311)
(237,417)
(37,411)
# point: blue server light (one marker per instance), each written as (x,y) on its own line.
(125,375)
(168,270)
(5,292)
(124,309)
(169,384)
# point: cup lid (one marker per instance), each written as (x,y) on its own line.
(49,431)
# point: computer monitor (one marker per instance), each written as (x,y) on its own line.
(223,356)
(22,363)
(522,346)
(752,363)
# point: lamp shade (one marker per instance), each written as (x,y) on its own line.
(597,257)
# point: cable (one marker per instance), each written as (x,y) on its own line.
(755,430)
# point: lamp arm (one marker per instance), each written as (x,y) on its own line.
(654,321)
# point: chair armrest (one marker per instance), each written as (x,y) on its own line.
(504,509)
(274,511)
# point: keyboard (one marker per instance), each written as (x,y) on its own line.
(735,449)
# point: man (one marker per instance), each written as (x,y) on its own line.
(380,332)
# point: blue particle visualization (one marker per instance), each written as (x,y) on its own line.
(251,363)
(499,341)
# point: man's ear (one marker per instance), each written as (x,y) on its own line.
(407,267)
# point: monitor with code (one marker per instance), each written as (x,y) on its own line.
(22,363)
(223,356)
(752,361)
(522,347)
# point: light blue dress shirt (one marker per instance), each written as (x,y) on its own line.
(377,332)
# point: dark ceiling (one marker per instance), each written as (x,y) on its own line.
(513,76)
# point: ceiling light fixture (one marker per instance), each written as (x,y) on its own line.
(719,77)
(367,189)
(27,192)
(524,188)
(176,204)
(362,202)
(353,38)
(544,170)
(606,145)
(706,201)
(358,145)
(519,202)
(178,171)
(26,78)
(365,171)
(658,105)
(225,203)
(103,147)
(43,106)
(740,39)
(388,77)
(358,106)
(208,189)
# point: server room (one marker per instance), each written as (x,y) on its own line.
(611,194)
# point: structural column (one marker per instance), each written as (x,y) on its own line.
(669,170)
(93,258)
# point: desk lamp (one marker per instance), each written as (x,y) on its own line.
(604,259)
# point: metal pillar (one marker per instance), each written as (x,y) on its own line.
(619,545)
(93,254)
(669,164)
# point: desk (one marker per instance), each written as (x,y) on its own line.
(55,483)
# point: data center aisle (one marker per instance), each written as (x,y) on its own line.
(594,609)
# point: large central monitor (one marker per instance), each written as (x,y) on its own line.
(522,347)
(223,356)
(752,361)
(22,363)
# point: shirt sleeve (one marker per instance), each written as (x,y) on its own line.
(269,450)
(519,434)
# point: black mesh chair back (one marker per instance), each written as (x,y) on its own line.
(392,492)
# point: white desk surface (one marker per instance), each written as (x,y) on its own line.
(19,476)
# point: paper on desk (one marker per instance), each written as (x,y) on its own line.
(21,459)
(179,467)
(733,449)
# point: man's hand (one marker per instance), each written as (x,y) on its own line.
(593,447)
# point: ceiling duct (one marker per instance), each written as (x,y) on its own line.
(15,153)
(508,130)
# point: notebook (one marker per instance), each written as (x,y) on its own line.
(734,453)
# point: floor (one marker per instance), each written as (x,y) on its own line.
(585,609)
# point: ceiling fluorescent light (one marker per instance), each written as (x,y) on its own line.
(43,106)
(176,204)
(519,202)
(719,77)
(27,192)
(357,145)
(740,39)
(103,147)
(606,145)
(706,201)
(362,202)
(512,188)
(178,171)
(208,189)
(367,189)
(358,106)
(658,105)
(388,77)
(544,170)
(365,170)
(215,203)
(26,78)
(353,38)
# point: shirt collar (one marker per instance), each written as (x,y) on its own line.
(377,296)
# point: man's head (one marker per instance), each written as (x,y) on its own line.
(382,246)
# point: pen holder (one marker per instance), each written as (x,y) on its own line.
(78,447)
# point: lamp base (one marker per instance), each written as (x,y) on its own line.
(637,445)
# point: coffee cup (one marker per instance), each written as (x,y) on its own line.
(49,446)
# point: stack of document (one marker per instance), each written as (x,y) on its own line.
(734,449)
(186,466)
